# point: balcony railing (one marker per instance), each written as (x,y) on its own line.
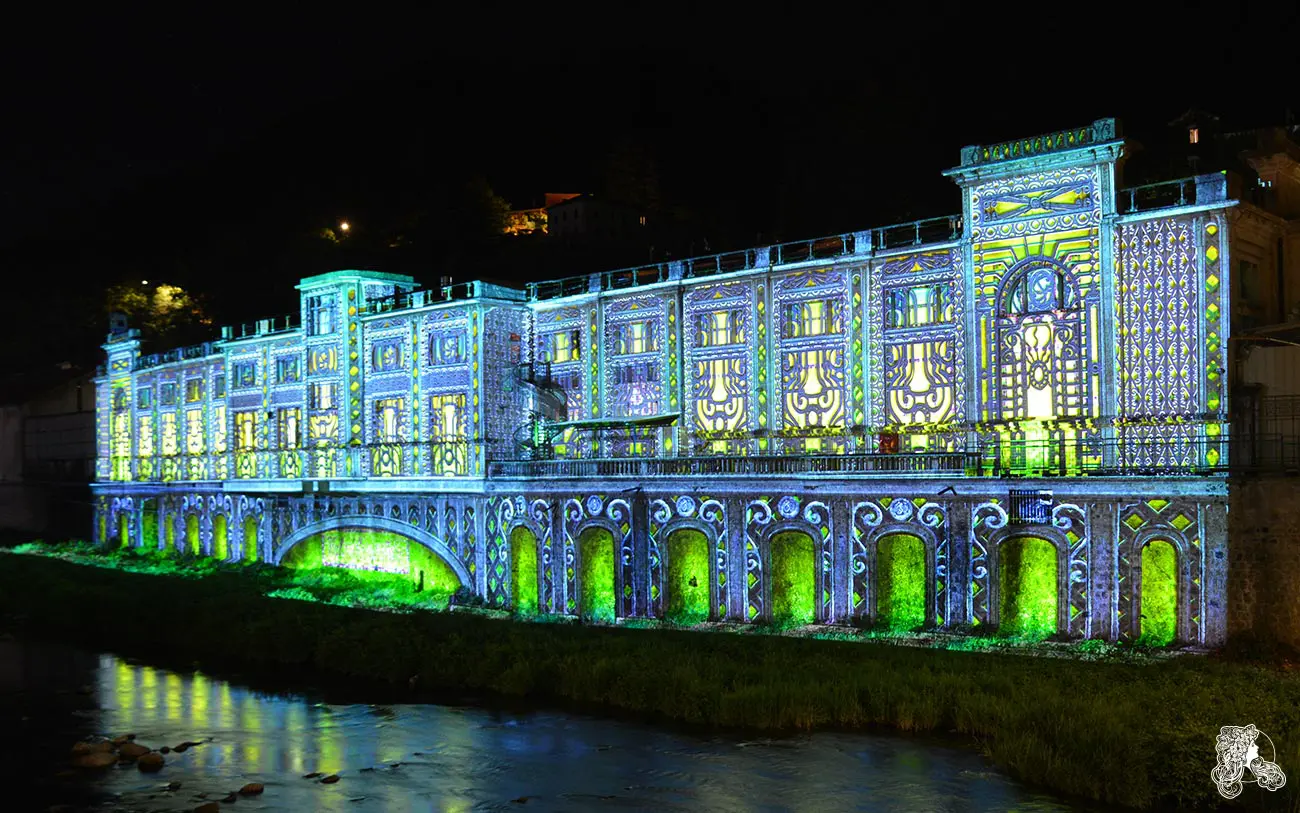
(931,230)
(951,463)
(1166,194)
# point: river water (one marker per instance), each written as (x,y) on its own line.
(409,757)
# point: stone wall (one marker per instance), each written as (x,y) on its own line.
(1264,560)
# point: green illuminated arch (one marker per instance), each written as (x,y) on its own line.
(124,528)
(149,535)
(901,576)
(192,534)
(250,538)
(370,552)
(1027,587)
(169,533)
(523,570)
(793,573)
(220,537)
(1158,622)
(687,577)
(596,583)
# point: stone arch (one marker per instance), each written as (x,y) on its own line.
(770,577)
(123,522)
(668,567)
(1183,632)
(1053,536)
(437,546)
(251,516)
(584,567)
(524,568)
(930,543)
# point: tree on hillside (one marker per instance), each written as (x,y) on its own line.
(165,314)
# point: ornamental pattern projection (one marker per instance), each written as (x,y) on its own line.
(1069,530)
(812,351)
(1181,524)
(718,332)
(1037,310)
(917,346)
(687,511)
(615,515)
(635,370)
(763,520)
(503,515)
(919,517)
(1169,354)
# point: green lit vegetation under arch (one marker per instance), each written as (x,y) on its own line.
(220,537)
(1027,587)
(687,578)
(1159,599)
(192,534)
(794,584)
(373,554)
(901,578)
(596,577)
(250,538)
(523,570)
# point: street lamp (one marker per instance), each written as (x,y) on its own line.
(344,226)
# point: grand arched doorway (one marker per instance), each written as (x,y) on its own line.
(250,538)
(192,534)
(686,582)
(794,578)
(596,582)
(523,570)
(901,580)
(1158,603)
(1027,587)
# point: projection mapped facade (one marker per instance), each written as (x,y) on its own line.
(1008,419)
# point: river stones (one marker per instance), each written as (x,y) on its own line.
(96,759)
(251,789)
(132,751)
(97,747)
(331,779)
(151,762)
(312,775)
(208,807)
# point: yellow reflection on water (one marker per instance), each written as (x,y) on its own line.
(199,701)
(148,689)
(173,699)
(295,724)
(251,723)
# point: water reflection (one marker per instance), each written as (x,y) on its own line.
(425,757)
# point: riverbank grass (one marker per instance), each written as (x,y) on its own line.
(1120,732)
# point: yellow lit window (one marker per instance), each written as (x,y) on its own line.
(245,431)
(1194,136)
(322,396)
(288,421)
(387,411)
(564,346)
(193,390)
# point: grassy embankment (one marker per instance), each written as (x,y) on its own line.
(1118,732)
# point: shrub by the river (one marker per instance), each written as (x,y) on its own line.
(1119,733)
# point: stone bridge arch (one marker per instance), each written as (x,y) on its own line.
(373,523)
(1048,533)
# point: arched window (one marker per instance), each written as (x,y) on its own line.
(1038,289)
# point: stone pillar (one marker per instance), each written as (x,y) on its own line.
(640,554)
(1214,586)
(841,558)
(558,581)
(959,544)
(481,545)
(1103,570)
(737,592)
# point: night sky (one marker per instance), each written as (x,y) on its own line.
(198,151)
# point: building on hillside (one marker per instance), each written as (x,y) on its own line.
(535,220)
(1014,418)
(592,219)
(47,452)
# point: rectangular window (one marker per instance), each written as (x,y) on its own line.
(287,423)
(819,317)
(144,398)
(169,440)
(167,394)
(446,348)
(323,396)
(245,431)
(219,387)
(446,417)
(387,414)
(635,337)
(387,356)
(286,369)
(565,345)
(193,390)
(245,374)
(719,328)
(320,314)
(918,306)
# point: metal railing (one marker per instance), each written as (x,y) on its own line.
(951,463)
(194,351)
(1166,194)
(1131,457)
(930,230)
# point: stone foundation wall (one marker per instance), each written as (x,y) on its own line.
(1264,559)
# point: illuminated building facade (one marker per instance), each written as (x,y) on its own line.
(1014,418)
